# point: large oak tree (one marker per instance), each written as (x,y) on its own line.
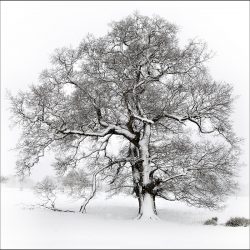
(157,98)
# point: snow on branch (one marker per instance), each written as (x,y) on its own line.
(112,129)
(143,119)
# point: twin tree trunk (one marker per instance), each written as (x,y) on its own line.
(142,180)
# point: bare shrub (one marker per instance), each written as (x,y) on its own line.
(46,191)
(212,221)
(238,222)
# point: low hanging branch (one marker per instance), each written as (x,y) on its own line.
(93,189)
(94,179)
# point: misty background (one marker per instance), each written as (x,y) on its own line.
(31,31)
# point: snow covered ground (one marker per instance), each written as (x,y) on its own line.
(109,224)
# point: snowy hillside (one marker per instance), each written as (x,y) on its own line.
(109,224)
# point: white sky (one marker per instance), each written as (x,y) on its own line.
(30,31)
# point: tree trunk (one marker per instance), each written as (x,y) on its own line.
(137,178)
(147,210)
(139,204)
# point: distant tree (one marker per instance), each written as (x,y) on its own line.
(46,191)
(139,86)
(75,183)
(3,179)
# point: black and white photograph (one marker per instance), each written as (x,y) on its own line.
(124,125)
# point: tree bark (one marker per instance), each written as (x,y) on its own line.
(147,208)
(139,204)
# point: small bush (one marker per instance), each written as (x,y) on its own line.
(212,221)
(238,222)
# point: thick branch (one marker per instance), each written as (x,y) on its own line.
(112,129)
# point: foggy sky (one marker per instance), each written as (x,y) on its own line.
(30,31)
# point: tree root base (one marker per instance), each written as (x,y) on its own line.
(152,217)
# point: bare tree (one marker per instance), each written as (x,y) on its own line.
(47,190)
(136,84)
(3,179)
(76,183)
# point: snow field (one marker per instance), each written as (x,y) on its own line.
(110,223)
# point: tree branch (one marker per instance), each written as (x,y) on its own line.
(93,191)
(111,129)
(143,119)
